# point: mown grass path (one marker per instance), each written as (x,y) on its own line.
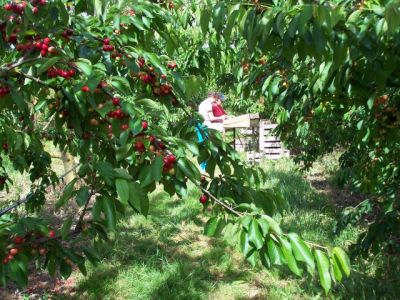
(166,256)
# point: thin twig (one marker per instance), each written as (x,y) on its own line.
(48,123)
(221,203)
(21,201)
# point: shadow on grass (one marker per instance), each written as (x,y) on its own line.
(167,257)
(150,259)
(313,211)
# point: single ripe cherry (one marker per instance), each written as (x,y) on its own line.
(14,251)
(106,41)
(46,40)
(203,199)
(139,146)
(18,240)
(116,101)
(85,89)
(145,125)
(124,127)
(52,234)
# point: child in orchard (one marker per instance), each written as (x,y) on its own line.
(206,111)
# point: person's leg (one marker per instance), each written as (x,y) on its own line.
(201,136)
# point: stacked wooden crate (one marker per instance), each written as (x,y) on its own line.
(270,145)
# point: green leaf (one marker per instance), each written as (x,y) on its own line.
(244,243)
(255,235)
(82,196)
(185,166)
(121,84)
(219,15)
(274,252)
(337,273)
(264,225)
(44,66)
(84,65)
(122,173)
(122,189)
(274,226)
(205,20)
(290,260)
(157,168)
(138,198)
(108,207)
(343,259)
(65,269)
(301,251)
(122,152)
(68,192)
(211,226)
(323,270)
(66,227)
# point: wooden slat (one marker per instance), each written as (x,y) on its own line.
(272,144)
(273,151)
(243,121)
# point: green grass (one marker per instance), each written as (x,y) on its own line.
(166,256)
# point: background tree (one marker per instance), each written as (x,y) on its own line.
(104,78)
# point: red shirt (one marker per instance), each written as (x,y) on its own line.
(218,111)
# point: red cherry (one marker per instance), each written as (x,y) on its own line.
(38,45)
(10,257)
(64,73)
(35,10)
(152,139)
(52,234)
(43,2)
(5,261)
(118,114)
(14,251)
(203,199)
(71,72)
(106,41)
(43,53)
(163,76)
(85,89)
(7,6)
(139,146)
(18,240)
(124,127)
(86,135)
(46,40)
(171,158)
(115,101)
(145,125)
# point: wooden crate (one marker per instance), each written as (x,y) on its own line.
(270,145)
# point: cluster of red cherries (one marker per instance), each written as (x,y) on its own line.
(18,8)
(17,247)
(106,45)
(55,72)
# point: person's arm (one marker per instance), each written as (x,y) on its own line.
(212,118)
(222,110)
